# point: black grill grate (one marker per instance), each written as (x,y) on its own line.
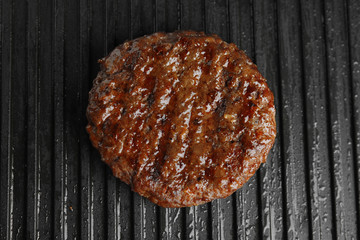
(53,184)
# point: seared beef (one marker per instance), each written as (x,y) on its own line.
(183,118)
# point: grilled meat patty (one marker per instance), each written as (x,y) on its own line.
(183,118)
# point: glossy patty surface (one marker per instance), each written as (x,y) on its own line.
(183,118)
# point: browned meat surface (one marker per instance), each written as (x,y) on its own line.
(183,118)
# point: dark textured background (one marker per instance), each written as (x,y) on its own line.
(53,184)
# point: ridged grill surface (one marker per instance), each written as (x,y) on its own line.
(53,183)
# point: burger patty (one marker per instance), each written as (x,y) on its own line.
(183,118)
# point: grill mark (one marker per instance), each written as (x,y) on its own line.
(194,119)
(150,82)
(123,113)
(220,110)
(190,135)
(192,130)
(177,105)
(133,157)
(164,142)
(188,139)
(159,161)
(153,160)
(169,145)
